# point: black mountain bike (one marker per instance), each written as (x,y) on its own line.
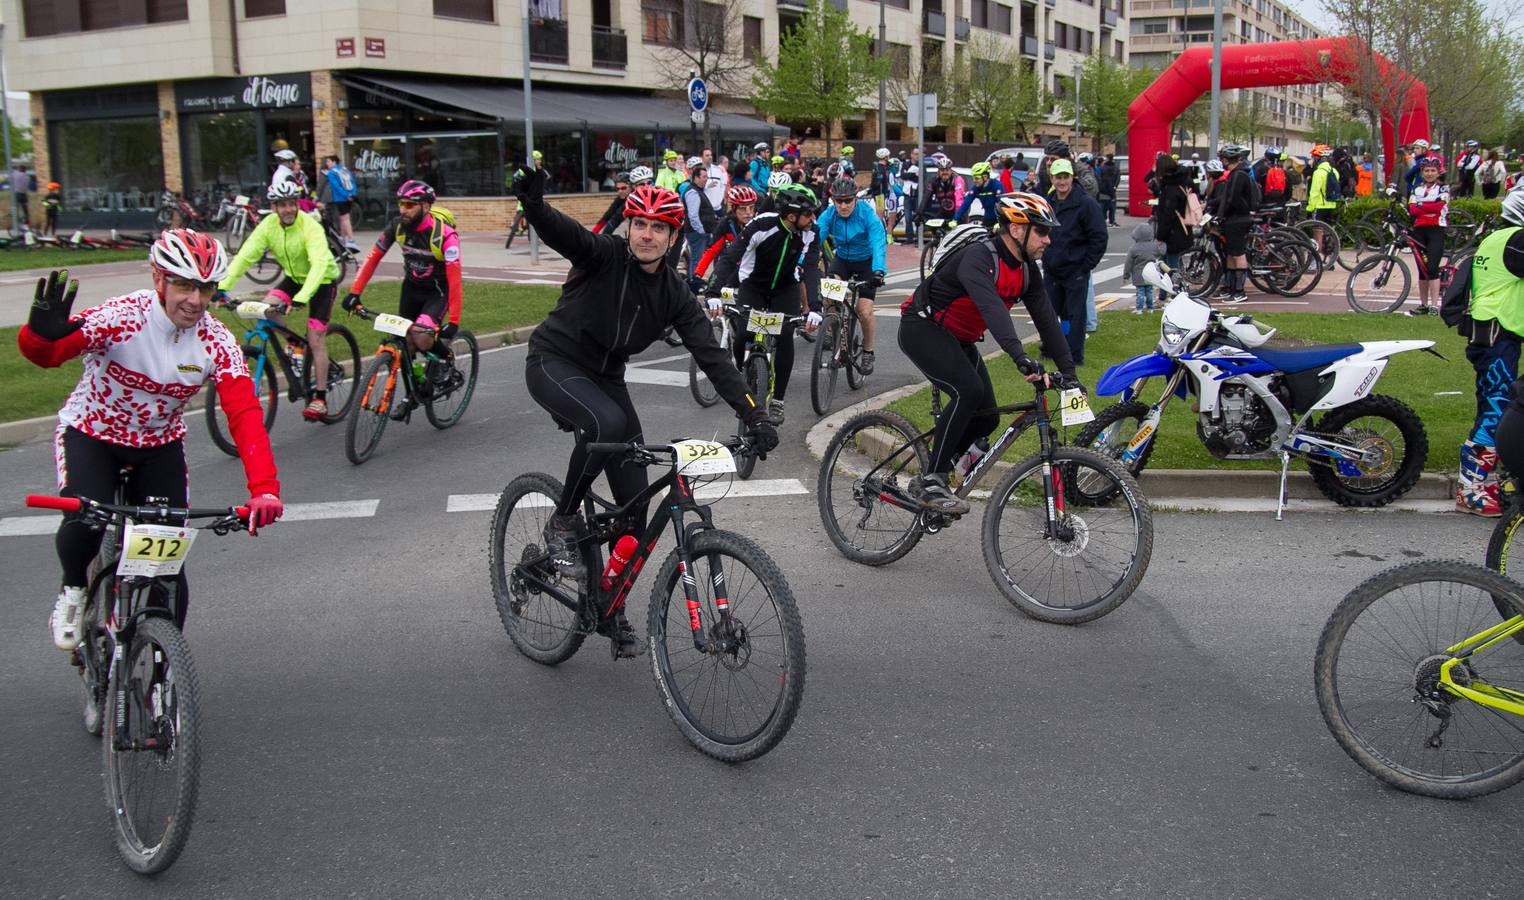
(839,345)
(761,330)
(139,681)
(1067,536)
(726,642)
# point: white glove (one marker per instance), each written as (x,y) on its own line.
(716,304)
(812,321)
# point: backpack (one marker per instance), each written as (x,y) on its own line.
(1275,180)
(1332,188)
(957,239)
(1193,211)
(1455,304)
(442,217)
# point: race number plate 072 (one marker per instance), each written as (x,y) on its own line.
(833,289)
(766,322)
(390,324)
(703,458)
(1076,408)
(154,550)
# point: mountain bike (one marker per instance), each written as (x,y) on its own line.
(839,345)
(1281,260)
(139,681)
(763,328)
(1420,678)
(699,385)
(1067,536)
(726,641)
(1380,282)
(263,352)
(443,387)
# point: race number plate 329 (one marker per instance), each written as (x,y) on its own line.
(390,324)
(1076,408)
(766,322)
(154,550)
(703,458)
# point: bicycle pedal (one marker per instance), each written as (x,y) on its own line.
(625,650)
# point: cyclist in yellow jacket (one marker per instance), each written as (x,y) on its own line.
(1319,206)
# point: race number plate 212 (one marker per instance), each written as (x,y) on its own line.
(154,550)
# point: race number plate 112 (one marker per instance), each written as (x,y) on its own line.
(1076,408)
(703,458)
(154,550)
(766,322)
(390,324)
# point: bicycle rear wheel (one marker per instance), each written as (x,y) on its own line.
(373,406)
(543,627)
(343,371)
(265,271)
(736,697)
(871,459)
(824,369)
(446,405)
(1098,552)
(152,747)
(759,385)
(267,392)
(1200,270)
(703,390)
(1377,676)
(1378,284)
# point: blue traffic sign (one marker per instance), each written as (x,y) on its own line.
(698,94)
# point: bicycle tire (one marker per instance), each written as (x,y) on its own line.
(552,633)
(855,377)
(1137,518)
(1304,268)
(824,368)
(861,443)
(1109,435)
(463,346)
(1377,296)
(928,252)
(343,371)
(1406,659)
(218,429)
(370,401)
(759,384)
(182,757)
(1325,239)
(1347,491)
(779,674)
(266,271)
(1200,271)
(235,233)
(92,619)
(705,394)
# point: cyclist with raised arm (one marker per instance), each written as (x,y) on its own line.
(775,263)
(145,355)
(972,290)
(857,235)
(300,247)
(987,191)
(431,286)
(618,299)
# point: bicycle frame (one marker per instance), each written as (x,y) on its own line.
(401,352)
(1489,695)
(266,333)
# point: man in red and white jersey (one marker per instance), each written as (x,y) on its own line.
(145,355)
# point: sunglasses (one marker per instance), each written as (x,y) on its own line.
(407,204)
(200,287)
(1041,230)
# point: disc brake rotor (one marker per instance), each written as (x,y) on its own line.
(1074,545)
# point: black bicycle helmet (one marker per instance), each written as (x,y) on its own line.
(794,198)
(1233,151)
(843,187)
(1057,148)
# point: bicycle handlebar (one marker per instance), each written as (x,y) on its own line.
(646,453)
(75,504)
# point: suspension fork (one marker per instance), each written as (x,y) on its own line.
(384,403)
(1052,481)
(690,586)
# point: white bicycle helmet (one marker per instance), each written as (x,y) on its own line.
(641,175)
(1513,207)
(284,190)
(285,155)
(882,153)
(695,162)
(191,255)
(779,180)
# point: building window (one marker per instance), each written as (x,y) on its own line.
(1155,27)
(661,22)
(475,10)
(45,17)
(710,25)
(751,36)
(110,165)
(1000,18)
(1087,41)
(899,60)
(254,8)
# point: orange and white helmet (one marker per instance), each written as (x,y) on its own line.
(1319,150)
(191,255)
(1024,208)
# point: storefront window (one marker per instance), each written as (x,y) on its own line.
(617,151)
(108,166)
(458,165)
(378,164)
(220,152)
(563,160)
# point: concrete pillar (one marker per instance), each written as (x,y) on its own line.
(169,138)
(328,120)
(42,160)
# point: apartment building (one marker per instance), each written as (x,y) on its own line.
(1284,117)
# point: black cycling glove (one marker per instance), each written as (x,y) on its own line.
(1028,365)
(1065,382)
(763,434)
(351,302)
(448,331)
(529,187)
(49,318)
(878,279)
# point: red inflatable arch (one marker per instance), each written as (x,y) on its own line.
(1257,65)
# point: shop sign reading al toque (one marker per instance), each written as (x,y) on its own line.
(254,92)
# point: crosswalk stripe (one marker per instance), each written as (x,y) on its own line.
(16,526)
(762,487)
(656,376)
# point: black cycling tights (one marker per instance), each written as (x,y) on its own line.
(956,369)
(1510,440)
(88,467)
(785,301)
(599,408)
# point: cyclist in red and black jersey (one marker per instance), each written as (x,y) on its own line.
(969,292)
(743,206)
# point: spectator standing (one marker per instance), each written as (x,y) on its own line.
(670,176)
(700,216)
(1171,212)
(338,186)
(1145,249)
(1492,174)
(1078,243)
(719,180)
(1466,166)
(21,185)
(1110,178)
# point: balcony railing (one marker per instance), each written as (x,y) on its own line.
(548,41)
(1049,50)
(1108,18)
(609,48)
(1029,45)
(961,29)
(792,4)
(934,23)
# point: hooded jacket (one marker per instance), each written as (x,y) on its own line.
(1079,241)
(1144,250)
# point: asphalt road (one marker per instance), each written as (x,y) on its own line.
(370,731)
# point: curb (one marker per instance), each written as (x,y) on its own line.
(24,431)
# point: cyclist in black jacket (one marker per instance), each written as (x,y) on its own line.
(1234,204)
(619,297)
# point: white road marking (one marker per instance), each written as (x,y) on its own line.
(16,526)
(762,487)
(1267,505)
(337,509)
(657,362)
(656,376)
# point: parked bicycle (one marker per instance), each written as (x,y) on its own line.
(1281,260)
(723,630)
(1381,281)
(140,689)
(263,351)
(839,344)
(1056,552)
(443,387)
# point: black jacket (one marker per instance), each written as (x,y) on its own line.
(771,257)
(1172,205)
(1233,200)
(611,309)
(1110,178)
(1079,241)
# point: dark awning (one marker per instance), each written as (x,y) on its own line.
(559,108)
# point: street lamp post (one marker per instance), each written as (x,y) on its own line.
(534,237)
(1216,72)
(1076,103)
(5,123)
(883,129)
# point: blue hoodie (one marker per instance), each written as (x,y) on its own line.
(858,236)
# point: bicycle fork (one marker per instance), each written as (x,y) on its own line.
(383,403)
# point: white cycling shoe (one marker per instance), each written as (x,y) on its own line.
(65,620)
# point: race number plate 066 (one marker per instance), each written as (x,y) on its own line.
(766,322)
(390,324)
(154,550)
(1076,408)
(833,289)
(703,458)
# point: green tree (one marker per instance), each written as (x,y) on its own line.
(995,88)
(825,69)
(1106,89)
(1195,121)
(1243,119)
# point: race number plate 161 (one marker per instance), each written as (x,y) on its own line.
(154,550)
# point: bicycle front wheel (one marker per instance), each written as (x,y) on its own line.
(1378,677)
(343,371)
(544,628)
(1078,562)
(448,402)
(266,391)
(703,390)
(863,487)
(733,690)
(152,747)
(373,406)
(759,382)
(854,355)
(1379,283)
(824,369)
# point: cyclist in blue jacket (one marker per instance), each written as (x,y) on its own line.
(987,191)
(339,183)
(857,235)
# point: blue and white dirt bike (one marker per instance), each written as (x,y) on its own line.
(1256,398)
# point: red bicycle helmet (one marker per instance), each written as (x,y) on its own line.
(740,195)
(191,255)
(415,190)
(651,202)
